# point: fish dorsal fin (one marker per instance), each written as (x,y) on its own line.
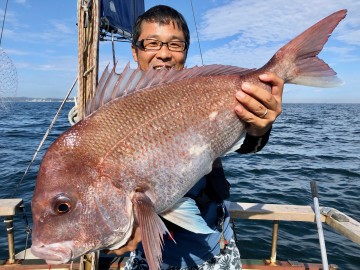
(186,214)
(152,229)
(113,85)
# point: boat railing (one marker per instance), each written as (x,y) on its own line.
(337,220)
(8,209)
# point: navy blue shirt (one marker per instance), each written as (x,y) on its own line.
(192,248)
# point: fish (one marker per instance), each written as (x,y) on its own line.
(148,137)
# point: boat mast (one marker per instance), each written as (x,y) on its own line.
(88,52)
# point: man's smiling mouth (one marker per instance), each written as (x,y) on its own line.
(162,67)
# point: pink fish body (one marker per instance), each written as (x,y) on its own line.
(134,157)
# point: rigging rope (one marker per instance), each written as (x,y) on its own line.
(113,48)
(197,34)
(27,229)
(88,57)
(2,28)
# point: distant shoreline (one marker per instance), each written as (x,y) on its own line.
(28,99)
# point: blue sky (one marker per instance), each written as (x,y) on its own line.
(40,37)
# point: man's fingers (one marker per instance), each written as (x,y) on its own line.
(277,85)
(258,106)
(256,100)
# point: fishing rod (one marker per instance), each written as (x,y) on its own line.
(44,138)
(197,34)
(314,193)
(3,23)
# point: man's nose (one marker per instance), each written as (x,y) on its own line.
(164,52)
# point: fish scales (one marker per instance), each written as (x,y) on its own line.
(154,145)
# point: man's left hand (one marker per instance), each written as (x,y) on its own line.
(258,107)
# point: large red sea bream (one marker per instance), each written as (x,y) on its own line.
(134,157)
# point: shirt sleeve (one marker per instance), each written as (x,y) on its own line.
(253,144)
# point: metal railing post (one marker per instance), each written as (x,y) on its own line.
(274,242)
(10,232)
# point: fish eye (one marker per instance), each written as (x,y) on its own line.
(63,208)
(61,205)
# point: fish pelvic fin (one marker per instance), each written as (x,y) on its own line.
(297,61)
(152,229)
(186,214)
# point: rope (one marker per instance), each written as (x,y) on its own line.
(44,138)
(88,39)
(73,114)
(197,34)
(27,229)
(2,28)
(113,48)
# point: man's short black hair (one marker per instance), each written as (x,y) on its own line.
(163,15)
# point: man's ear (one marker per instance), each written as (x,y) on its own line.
(134,53)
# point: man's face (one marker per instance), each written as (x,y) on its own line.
(162,57)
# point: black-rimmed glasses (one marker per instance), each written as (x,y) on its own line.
(150,44)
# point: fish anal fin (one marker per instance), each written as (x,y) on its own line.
(152,229)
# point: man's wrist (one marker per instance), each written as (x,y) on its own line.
(253,143)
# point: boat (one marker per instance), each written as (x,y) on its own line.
(88,39)
(276,213)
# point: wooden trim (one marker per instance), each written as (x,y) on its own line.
(9,207)
(342,223)
(261,211)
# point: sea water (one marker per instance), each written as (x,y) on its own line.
(309,142)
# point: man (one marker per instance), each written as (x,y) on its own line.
(161,39)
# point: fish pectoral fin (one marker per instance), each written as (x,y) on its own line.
(152,229)
(186,214)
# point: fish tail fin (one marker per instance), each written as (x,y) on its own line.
(297,61)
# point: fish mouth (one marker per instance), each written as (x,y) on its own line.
(57,253)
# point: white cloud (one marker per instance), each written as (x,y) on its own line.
(15,52)
(249,33)
(63,28)
(20,1)
(238,52)
(58,32)
(344,54)
(350,37)
(269,21)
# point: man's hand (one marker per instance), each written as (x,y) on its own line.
(258,107)
(131,245)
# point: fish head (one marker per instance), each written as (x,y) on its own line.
(76,210)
